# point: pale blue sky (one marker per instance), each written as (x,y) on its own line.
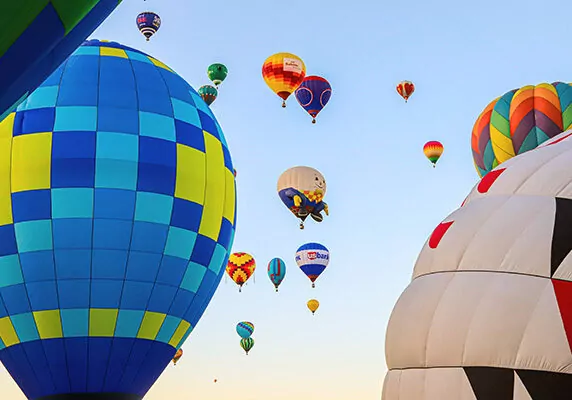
(384,197)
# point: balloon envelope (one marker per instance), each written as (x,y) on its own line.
(405,89)
(433,150)
(245,329)
(208,93)
(313,305)
(148,23)
(38,37)
(312,258)
(240,267)
(247,344)
(518,121)
(111,246)
(276,271)
(217,73)
(283,73)
(491,284)
(313,94)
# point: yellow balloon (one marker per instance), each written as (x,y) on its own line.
(283,73)
(313,305)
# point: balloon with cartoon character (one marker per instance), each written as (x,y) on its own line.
(302,190)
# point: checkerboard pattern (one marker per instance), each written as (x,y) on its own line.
(117,215)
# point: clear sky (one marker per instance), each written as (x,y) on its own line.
(384,197)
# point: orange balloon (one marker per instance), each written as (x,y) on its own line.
(178,355)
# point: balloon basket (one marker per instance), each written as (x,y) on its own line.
(283,104)
(313,285)
(314,120)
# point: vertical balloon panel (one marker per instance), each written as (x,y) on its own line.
(117,214)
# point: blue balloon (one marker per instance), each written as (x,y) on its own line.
(245,329)
(46,33)
(313,94)
(312,258)
(148,23)
(117,215)
(276,271)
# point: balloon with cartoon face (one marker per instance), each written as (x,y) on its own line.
(302,190)
(488,313)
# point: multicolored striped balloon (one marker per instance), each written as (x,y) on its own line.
(276,271)
(518,121)
(433,150)
(240,267)
(245,329)
(283,73)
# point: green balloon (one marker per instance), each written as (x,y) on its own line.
(208,93)
(247,344)
(217,73)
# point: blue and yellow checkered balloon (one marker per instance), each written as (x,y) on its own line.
(117,215)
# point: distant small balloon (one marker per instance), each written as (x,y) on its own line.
(247,344)
(148,23)
(177,356)
(245,329)
(208,93)
(313,305)
(405,89)
(433,151)
(313,95)
(217,73)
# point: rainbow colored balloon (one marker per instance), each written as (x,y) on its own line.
(518,121)
(433,150)
(245,329)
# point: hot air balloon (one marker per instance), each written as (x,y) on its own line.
(487,313)
(276,271)
(302,190)
(240,267)
(405,89)
(215,381)
(433,150)
(247,344)
(106,230)
(283,73)
(177,356)
(313,305)
(37,37)
(217,73)
(313,95)
(148,23)
(208,93)
(312,258)
(244,329)
(518,121)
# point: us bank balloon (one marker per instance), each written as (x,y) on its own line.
(117,210)
(37,36)
(488,313)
